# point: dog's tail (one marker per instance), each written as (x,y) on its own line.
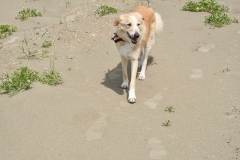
(159,23)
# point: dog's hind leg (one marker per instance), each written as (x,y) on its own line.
(141,58)
(124,71)
(146,51)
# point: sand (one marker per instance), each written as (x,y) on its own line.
(193,67)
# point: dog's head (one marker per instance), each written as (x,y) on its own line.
(129,26)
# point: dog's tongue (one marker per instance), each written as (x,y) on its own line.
(134,40)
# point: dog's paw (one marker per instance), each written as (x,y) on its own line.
(132,100)
(141,76)
(132,97)
(124,85)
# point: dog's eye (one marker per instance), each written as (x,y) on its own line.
(129,24)
(138,24)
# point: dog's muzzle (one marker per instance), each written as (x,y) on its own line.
(134,38)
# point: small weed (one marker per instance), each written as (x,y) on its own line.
(105,10)
(217,18)
(210,6)
(26,50)
(141,2)
(46,44)
(52,77)
(26,13)
(45,53)
(169,109)
(60,22)
(33,54)
(67,3)
(44,9)
(6,30)
(69,68)
(167,123)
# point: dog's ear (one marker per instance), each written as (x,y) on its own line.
(117,21)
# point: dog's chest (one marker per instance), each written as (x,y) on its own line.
(127,50)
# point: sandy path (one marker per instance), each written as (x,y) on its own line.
(194,67)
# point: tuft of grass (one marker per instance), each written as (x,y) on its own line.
(169,109)
(105,10)
(6,30)
(218,18)
(46,44)
(26,13)
(23,77)
(67,3)
(34,54)
(29,54)
(167,123)
(52,77)
(60,22)
(44,54)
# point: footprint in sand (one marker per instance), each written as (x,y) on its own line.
(157,149)
(206,48)
(153,102)
(196,74)
(96,131)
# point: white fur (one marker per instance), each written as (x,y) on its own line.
(159,23)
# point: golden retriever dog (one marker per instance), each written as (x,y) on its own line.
(134,37)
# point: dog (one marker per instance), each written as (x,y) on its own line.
(134,38)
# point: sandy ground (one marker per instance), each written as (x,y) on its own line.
(193,67)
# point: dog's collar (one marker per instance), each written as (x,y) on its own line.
(116,40)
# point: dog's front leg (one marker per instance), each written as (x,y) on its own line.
(131,94)
(124,71)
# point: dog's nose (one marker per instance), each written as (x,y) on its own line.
(136,35)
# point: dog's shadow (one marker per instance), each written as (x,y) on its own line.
(113,78)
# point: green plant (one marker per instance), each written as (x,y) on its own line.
(44,54)
(141,2)
(105,10)
(210,6)
(6,30)
(169,109)
(21,79)
(26,13)
(26,50)
(46,44)
(217,18)
(167,123)
(52,77)
(60,22)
